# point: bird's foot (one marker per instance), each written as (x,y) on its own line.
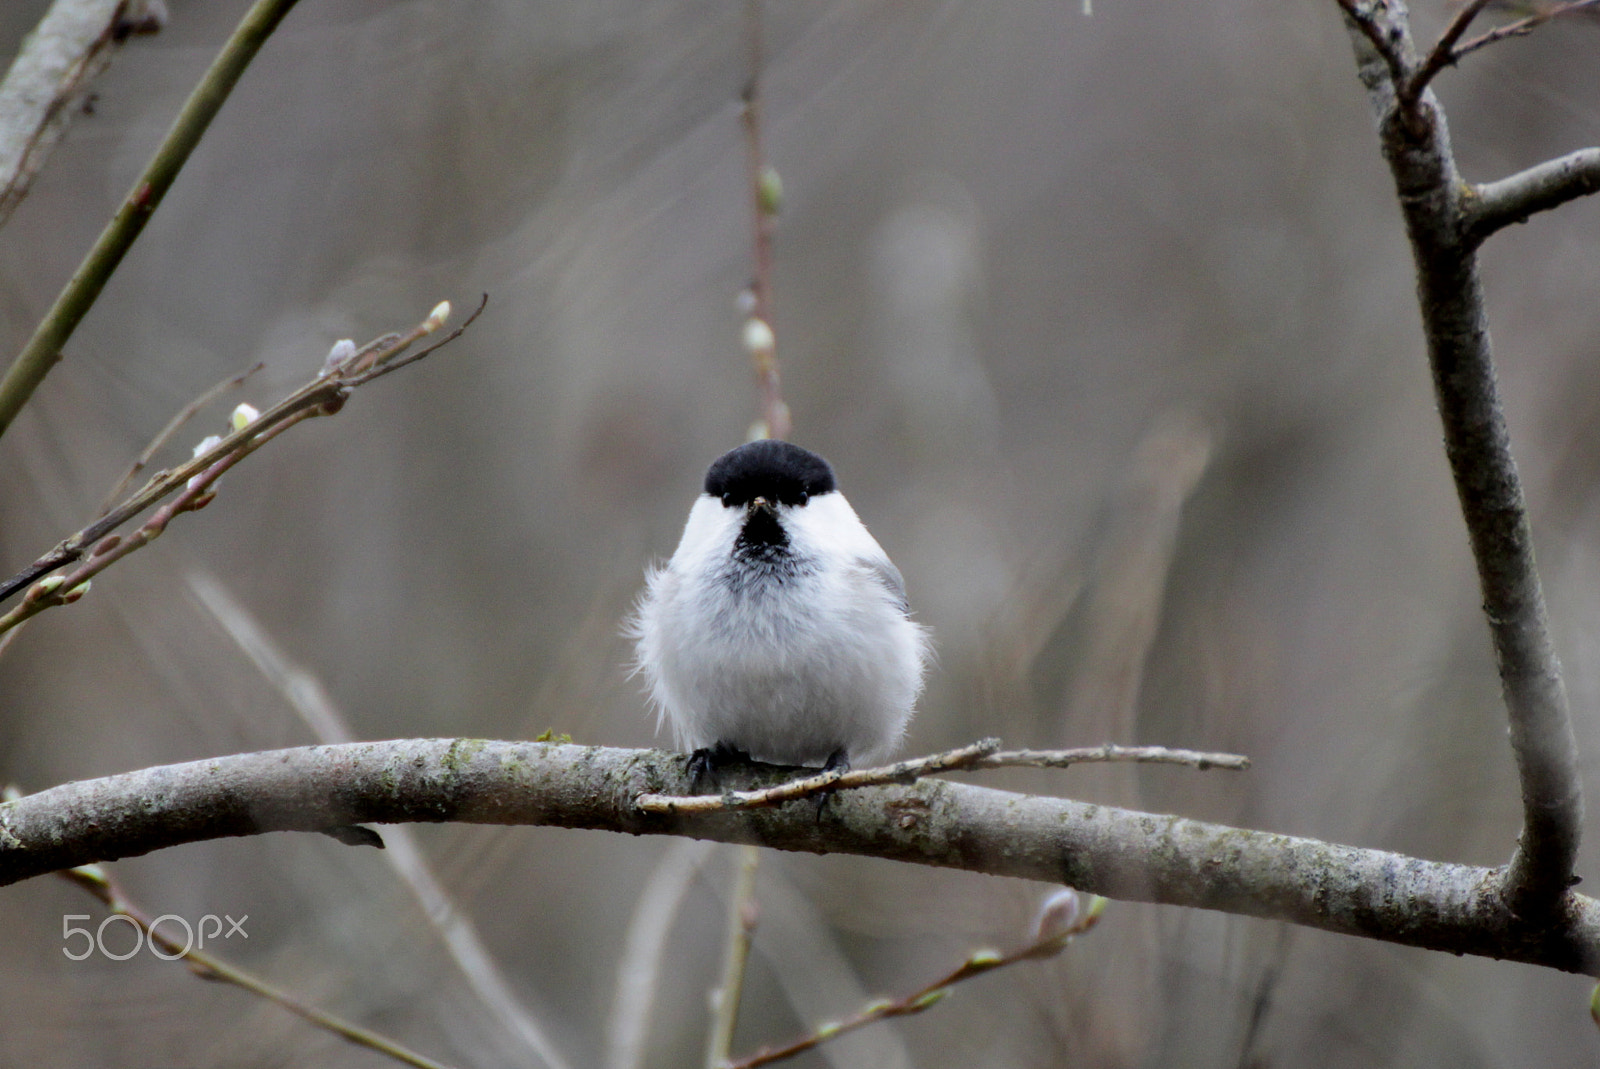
(706,762)
(838,761)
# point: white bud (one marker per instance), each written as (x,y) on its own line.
(436,318)
(758,336)
(205,445)
(243,416)
(769,190)
(342,350)
(1058,914)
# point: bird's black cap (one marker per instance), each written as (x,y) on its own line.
(777,471)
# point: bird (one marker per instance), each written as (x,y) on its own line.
(778,631)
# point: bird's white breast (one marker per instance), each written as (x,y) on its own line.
(790,667)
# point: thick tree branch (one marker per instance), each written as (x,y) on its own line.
(1099,849)
(42,351)
(1416,144)
(1550,184)
(48,83)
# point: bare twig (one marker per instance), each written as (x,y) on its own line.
(823,782)
(11,631)
(1522,27)
(44,348)
(983,754)
(322,396)
(1047,944)
(94,880)
(1442,54)
(186,413)
(47,85)
(1433,199)
(1547,185)
(1150,755)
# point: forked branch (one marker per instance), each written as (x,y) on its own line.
(1438,212)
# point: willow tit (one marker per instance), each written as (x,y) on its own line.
(778,631)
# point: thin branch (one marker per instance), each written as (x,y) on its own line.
(1110,752)
(660,899)
(1099,849)
(41,352)
(1416,144)
(766,198)
(1046,944)
(1522,27)
(980,755)
(743,915)
(305,694)
(47,85)
(1443,53)
(1547,185)
(185,414)
(324,395)
(94,880)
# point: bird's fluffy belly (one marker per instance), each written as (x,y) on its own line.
(784,686)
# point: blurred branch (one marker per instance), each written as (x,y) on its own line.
(766,200)
(41,352)
(661,897)
(1434,200)
(1494,205)
(306,695)
(47,85)
(743,914)
(323,396)
(984,754)
(207,966)
(1098,849)
(1049,941)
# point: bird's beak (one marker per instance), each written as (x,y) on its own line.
(761,504)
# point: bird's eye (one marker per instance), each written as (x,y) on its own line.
(804,497)
(727,500)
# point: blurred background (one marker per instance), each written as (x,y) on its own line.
(1107,325)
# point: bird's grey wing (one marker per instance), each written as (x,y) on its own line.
(882,570)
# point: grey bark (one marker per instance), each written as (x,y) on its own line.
(1115,852)
(1437,206)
